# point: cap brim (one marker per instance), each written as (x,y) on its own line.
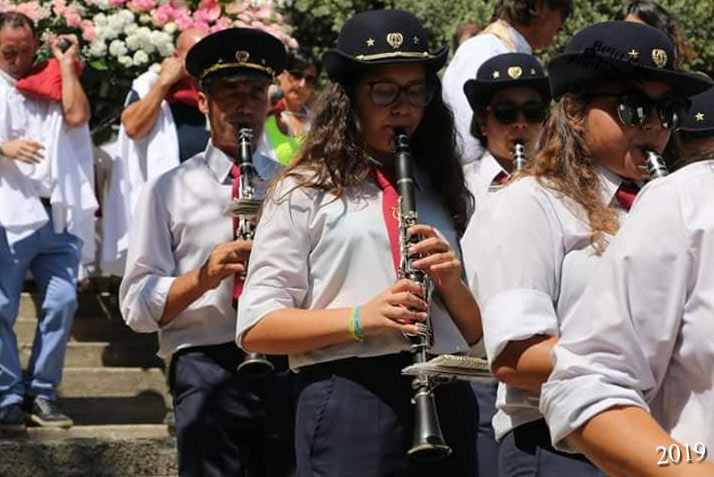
(571,70)
(339,66)
(477,91)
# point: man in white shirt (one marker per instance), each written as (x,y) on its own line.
(519,26)
(184,261)
(47,208)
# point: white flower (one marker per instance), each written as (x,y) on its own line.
(118,48)
(98,48)
(131,29)
(170,28)
(125,61)
(155,68)
(140,58)
(99,20)
(126,15)
(144,18)
(132,42)
(102,4)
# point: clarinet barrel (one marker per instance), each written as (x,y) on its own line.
(655,166)
(428,441)
(254,364)
(519,155)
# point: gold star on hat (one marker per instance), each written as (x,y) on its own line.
(496,74)
(633,54)
(699,116)
(416,40)
(370,42)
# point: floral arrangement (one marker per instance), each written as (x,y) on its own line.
(126,37)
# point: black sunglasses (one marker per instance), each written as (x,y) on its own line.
(633,108)
(298,75)
(507,112)
(384,93)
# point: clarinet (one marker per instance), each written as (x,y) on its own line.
(428,441)
(519,155)
(654,167)
(253,364)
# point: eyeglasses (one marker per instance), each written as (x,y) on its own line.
(384,93)
(633,107)
(298,75)
(507,112)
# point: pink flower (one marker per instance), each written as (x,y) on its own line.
(59,6)
(265,12)
(88,31)
(117,3)
(208,11)
(140,6)
(245,18)
(201,26)
(72,18)
(223,22)
(32,10)
(162,15)
(184,22)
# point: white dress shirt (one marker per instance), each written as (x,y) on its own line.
(179,218)
(528,258)
(314,252)
(467,60)
(643,332)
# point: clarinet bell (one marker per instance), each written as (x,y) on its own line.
(428,444)
(255,365)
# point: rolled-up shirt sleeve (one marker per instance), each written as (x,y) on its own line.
(512,254)
(150,263)
(278,267)
(616,345)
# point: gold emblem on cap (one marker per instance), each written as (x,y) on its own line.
(242,56)
(515,72)
(699,116)
(533,71)
(496,74)
(416,40)
(395,40)
(370,42)
(633,54)
(659,57)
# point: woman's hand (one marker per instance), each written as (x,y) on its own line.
(395,309)
(438,259)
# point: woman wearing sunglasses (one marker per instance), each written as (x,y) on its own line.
(640,340)
(531,249)
(509,96)
(322,285)
(289,119)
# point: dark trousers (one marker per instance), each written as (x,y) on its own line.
(486,444)
(355,419)
(228,425)
(527,452)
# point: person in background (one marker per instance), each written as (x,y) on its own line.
(47,209)
(517,26)
(654,15)
(161,126)
(510,97)
(532,247)
(185,263)
(289,119)
(464,32)
(632,385)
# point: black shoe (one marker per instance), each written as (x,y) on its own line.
(45,413)
(12,418)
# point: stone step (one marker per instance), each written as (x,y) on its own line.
(112,382)
(99,354)
(148,407)
(131,450)
(89,305)
(87,330)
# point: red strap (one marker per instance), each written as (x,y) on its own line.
(626,194)
(184,92)
(237,282)
(390,211)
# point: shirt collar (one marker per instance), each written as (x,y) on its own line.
(7,78)
(220,163)
(609,183)
(522,45)
(490,166)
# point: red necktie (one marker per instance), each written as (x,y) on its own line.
(626,194)
(501,178)
(237,282)
(390,211)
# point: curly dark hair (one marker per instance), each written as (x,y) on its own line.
(333,156)
(523,12)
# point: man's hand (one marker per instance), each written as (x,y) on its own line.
(172,70)
(70,55)
(23,150)
(225,260)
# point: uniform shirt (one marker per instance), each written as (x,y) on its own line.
(644,330)
(314,252)
(467,60)
(528,258)
(179,218)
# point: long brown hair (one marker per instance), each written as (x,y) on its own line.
(333,157)
(564,164)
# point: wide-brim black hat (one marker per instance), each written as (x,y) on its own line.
(700,114)
(619,50)
(508,70)
(246,52)
(378,37)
